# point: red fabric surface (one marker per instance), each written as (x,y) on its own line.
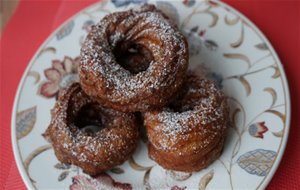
(34,20)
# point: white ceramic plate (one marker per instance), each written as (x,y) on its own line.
(224,43)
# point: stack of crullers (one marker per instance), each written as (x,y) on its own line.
(134,68)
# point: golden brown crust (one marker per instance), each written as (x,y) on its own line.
(185,163)
(189,134)
(114,83)
(95,151)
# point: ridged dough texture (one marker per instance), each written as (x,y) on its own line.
(136,61)
(189,134)
(93,151)
(106,77)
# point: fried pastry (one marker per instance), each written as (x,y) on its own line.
(85,134)
(189,134)
(142,34)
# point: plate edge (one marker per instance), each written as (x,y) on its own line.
(275,165)
(286,88)
(16,151)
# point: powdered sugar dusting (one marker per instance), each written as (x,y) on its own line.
(116,140)
(146,27)
(200,114)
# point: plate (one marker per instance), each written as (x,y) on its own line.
(224,46)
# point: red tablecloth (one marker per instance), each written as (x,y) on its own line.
(33,21)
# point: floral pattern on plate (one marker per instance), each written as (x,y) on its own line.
(224,46)
(59,76)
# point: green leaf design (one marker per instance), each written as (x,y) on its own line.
(25,122)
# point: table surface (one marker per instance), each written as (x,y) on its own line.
(6,10)
(33,21)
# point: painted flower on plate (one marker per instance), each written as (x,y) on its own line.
(59,76)
(178,188)
(257,129)
(121,3)
(189,3)
(101,181)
